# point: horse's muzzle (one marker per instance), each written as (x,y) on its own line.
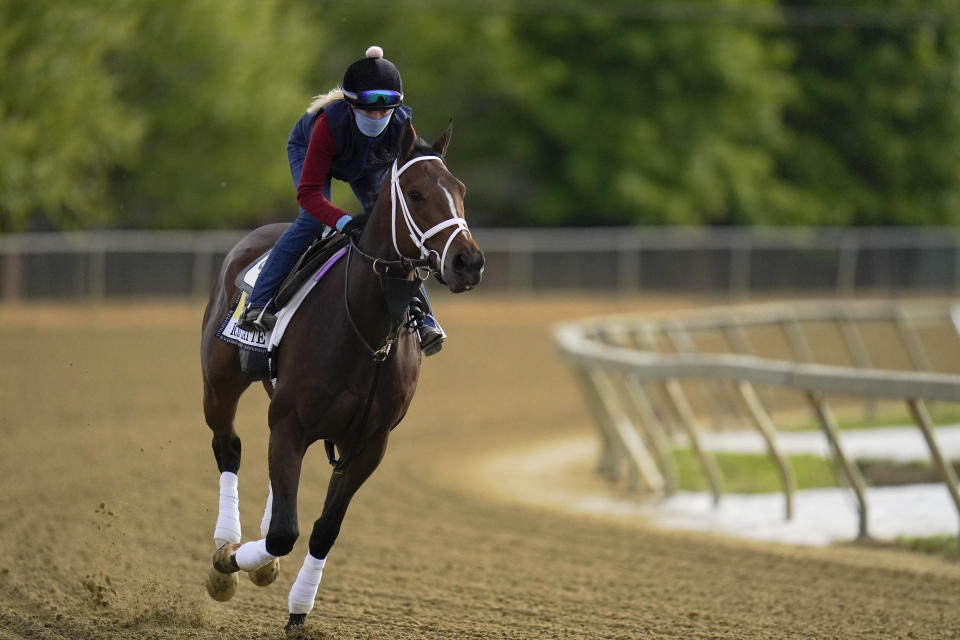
(465,269)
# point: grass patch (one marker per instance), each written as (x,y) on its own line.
(942,545)
(751,473)
(757,473)
(889,416)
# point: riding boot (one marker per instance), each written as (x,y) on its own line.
(253,318)
(429,331)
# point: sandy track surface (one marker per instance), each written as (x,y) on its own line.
(109,495)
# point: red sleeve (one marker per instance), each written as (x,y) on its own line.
(313,177)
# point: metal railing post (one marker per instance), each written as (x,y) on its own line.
(915,351)
(11,265)
(850,471)
(796,340)
(857,350)
(922,417)
(719,401)
(847,266)
(659,439)
(764,425)
(608,463)
(625,436)
(688,421)
(737,339)
(98,275)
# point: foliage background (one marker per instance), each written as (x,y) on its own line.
(150,114)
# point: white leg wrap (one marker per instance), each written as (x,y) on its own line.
(228,521)
(253,555)
(265,523)
(304,589)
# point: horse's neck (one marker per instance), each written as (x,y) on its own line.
(367,304)
(377,238)
(367,308)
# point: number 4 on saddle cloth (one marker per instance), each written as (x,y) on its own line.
(256,346)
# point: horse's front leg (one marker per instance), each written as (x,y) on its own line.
(343,485)
(286,452)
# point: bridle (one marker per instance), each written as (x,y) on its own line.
(387,270)
(392,272)
(418,236)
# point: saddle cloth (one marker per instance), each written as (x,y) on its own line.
(315,262)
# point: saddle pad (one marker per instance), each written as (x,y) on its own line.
(229,331)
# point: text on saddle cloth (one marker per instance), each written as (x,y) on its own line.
(257,340)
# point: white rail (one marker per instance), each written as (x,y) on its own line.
(619,368)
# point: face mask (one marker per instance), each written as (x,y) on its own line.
(369,126)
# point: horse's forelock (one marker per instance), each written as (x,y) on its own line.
(422,148)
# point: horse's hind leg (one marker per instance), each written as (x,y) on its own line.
(342,487)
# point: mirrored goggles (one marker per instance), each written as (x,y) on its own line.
(375,98)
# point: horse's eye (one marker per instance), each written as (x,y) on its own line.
(415,195)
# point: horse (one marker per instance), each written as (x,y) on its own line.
(346,368)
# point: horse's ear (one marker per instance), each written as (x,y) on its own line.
(407,140)
(441,143)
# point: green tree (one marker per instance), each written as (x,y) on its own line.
(63,126)
(876,124)
(651,123)
(586,115)
(219,85)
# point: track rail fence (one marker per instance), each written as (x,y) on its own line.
(638,375)
(734,262)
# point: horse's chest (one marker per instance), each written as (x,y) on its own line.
(361,395)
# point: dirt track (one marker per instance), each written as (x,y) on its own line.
(109,494)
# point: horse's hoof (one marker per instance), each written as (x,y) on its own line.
(223,559)
(296,622)
(221,586)
(266,574)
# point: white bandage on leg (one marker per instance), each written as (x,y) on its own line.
(304,589)
(228,520)
(253,555)
(265,522)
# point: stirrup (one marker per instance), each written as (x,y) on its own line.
(431,339)
(257,318)
(428,330)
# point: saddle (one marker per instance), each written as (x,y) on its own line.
(254,349)
(314,257)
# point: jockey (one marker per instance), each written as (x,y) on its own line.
(352,134)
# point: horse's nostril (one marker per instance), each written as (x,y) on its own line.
(468,261)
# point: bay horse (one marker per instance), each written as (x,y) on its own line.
(332,381)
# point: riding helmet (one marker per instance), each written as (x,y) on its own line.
(371,73)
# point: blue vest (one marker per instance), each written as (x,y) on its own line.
(354,154)
(357,159)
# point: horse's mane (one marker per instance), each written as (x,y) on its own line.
(422,148)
